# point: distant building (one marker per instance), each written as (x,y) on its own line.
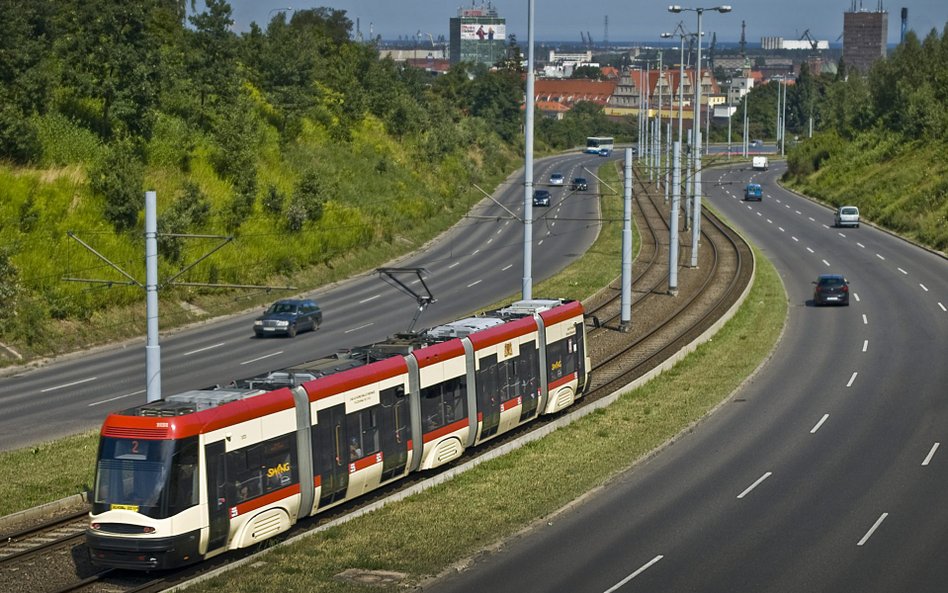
(771,43)
(478,35)
(864,37)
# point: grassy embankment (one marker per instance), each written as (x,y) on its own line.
(901,186)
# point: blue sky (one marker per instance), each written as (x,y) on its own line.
(629,20)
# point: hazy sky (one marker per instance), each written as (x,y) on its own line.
(629,20)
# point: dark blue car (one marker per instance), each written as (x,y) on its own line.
(288,317)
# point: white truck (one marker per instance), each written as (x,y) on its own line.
(759,163)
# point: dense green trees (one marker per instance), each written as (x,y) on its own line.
(300,142)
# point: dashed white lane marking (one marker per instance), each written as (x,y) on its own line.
(856,295)
(794,238)
(865,345)
(923,287)
(355,329)
(865,320)
(872,529)
(454,264)
(211,347)
(852,379)
(942,307)
(507,267)
(860,244)
(826,262)
(476,251)
(928,458)
(781,229)
(840,234)
(265,356)
(641,569)
(819,424)
(65,385)
(901,270)
(810,250)
(754,485)
(371,298)
(880,257)
(475,283)
(112,399)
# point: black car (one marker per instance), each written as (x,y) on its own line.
(289,317)
(541,197)
(579,184)
(831,289)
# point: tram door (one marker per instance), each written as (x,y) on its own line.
(394,430)
(331,454)
(580,357)
(488,396)
(218,509)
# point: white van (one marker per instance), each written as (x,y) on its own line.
(847,216)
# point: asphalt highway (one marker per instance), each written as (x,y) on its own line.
(476,263)
(823,473)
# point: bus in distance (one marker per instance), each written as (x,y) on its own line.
(594,144)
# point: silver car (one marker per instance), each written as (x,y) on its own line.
(847,216)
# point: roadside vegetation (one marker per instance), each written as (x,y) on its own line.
(883,141)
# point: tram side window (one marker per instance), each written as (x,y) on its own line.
(444,403)
(363,433)
(561,358)
(263,468)
(511,378)
(184,477)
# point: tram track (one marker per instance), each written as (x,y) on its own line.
(619,355)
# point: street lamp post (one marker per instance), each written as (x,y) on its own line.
(696,130)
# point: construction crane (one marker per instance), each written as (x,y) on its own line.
(814,45)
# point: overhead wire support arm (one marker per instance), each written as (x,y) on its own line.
(491,198)
(131,281)
(225,241)
(389,275)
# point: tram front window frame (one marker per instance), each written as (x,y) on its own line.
(157,478)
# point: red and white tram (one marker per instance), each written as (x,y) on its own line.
(202,472)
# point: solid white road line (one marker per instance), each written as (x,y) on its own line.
(872,529)
(218,345)
(112,399)
(65,385)
(754,485)
(852,379)
(928,458)
(252,360)
(819,424)
(642,569)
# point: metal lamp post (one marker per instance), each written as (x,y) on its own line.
(696,128)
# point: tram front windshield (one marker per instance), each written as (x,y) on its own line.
(154,478)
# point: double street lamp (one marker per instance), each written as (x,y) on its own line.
(696,130)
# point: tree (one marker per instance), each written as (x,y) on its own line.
(119,178)
(211,59)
